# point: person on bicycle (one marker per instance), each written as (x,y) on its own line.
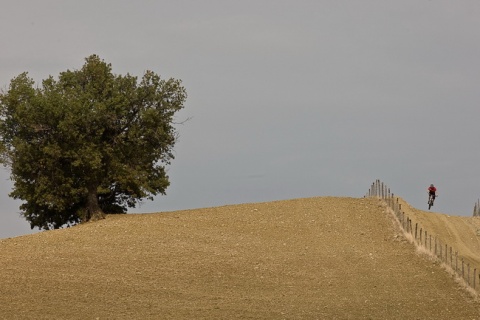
(432,192)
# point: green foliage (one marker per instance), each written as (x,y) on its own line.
(88,143)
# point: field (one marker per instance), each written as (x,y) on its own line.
(313,258)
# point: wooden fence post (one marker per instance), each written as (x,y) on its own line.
(451,258)
(468,272)
(474,277)
(446,255)
(456,261)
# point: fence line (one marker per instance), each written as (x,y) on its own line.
(476,209)
(444,253)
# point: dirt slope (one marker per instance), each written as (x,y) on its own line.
(460,233)
(315,258)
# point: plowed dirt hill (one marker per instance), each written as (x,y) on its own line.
(460,233)
(314,258)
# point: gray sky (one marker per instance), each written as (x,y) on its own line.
(287,99)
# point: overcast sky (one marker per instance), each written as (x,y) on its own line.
(286,99)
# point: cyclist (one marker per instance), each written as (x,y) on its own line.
(432,192)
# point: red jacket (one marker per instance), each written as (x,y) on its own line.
(432,189)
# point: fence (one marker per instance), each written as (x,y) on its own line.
(444,253)
(476,209)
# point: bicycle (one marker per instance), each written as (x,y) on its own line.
(431,199)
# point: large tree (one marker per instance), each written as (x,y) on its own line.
(88,143)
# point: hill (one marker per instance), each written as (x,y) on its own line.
(314,258)
(461,233)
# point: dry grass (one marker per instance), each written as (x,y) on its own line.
(315,258)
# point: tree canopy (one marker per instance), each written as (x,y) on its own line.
(88,143)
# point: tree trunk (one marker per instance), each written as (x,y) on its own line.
(93,210)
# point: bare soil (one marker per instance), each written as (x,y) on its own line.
(314,258)
(460,233)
